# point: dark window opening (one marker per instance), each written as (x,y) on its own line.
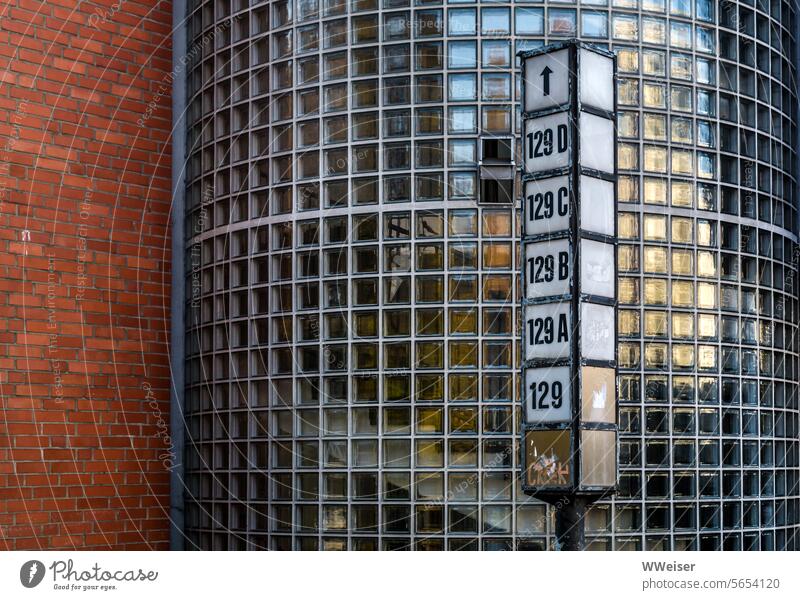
(497,191)
(496,150)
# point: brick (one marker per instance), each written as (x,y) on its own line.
(79,463)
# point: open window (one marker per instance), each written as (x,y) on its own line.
(496,150)
(497,171)
(496,191)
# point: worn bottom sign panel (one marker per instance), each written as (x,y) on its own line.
(548,459)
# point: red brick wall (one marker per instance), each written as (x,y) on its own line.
(84,273)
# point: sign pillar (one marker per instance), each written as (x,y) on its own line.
(569,285)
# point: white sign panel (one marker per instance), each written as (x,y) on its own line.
(548,331)
(596,80)
(547,268)
(548,395)
(546,143)
(597,269)
(597,143)
(547,80)
(597,331)
(597,205)
(547,205)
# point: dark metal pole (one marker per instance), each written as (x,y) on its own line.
(570,524)
(177,302)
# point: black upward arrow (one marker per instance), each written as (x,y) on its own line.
(546,76)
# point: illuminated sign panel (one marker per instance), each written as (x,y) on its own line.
(548,394)
(597,147)
(547,83)
(548,330)
(598,331)
(598,212)
(569,272)
(546,142)
(548,268)
(597,269)
(547,205)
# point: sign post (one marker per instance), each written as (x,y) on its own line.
(569,271)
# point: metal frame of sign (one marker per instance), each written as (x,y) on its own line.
(573,171)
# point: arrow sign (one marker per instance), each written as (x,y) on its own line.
(547,80)
(546,77)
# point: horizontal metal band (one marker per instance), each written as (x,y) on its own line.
(546,363)
(544,112)
(603,364)
(543,237)
(546,300)
(535,176)
(612,302)
(598,174)
(557,426)
(555,495)
(592,426)
(596,237)
(523,54)
(597,112)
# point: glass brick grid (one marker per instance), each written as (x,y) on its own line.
(351,357)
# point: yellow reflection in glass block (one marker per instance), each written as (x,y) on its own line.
(627,156)
(628,258)
(655,95)
(682,293)
(628,60)
(655,159)
(681,230)
(628,189)
(655,259)
(654,63)
(681,262)
(655,191)
(628,226)
(682,356)
(707,295)
(628,290)
(628,322)
(655,228)
(628,124)
(707,357)
(707,326)
(682,193)
(682,325)
(655,323)
(655,356)
(682,162)
(655,292)
(655,127)
(463,321)
(682,131)
(706,264)
(628,355)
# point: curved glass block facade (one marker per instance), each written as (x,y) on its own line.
(352,295)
